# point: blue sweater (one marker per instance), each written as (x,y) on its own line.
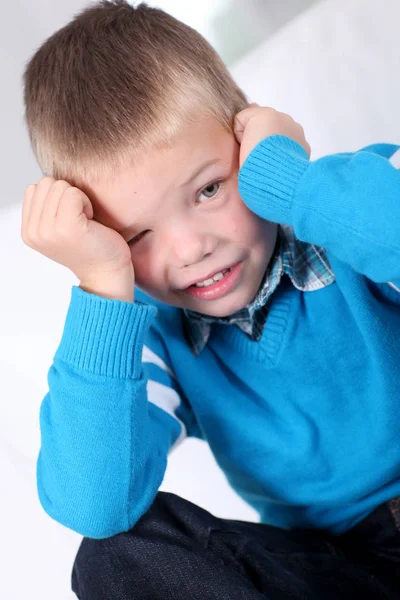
(305,422)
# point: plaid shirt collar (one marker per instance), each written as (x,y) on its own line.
(308,268)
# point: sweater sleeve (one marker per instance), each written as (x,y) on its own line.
(112,413)
(348,203)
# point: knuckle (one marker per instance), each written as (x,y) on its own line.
(273,113)
(29,192)
(46,180)
(59,188)
(61,183)
(73,197)
(73,191)
(30,187)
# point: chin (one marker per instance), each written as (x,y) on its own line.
(224,309)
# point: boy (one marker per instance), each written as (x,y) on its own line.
(265,320)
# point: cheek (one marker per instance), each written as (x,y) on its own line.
(240,224)
(147,272)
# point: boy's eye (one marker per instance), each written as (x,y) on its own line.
(137,237)
(211,190)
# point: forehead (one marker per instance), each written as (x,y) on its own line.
(157,172)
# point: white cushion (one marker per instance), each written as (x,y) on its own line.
(335,70)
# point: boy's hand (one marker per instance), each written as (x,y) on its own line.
(255,123)
(57,221)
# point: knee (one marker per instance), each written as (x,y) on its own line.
(100,562)
(110,567)
(96,554)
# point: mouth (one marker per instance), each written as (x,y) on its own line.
(210,278)
(216,285)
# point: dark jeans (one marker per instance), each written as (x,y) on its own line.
(180,551)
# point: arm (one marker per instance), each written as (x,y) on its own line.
(346,203)
(108,420)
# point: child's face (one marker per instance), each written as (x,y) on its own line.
(185,204)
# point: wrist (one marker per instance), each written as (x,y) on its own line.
(115,286)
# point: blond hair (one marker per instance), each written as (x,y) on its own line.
(118,79)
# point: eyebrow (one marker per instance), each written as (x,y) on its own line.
(201,168)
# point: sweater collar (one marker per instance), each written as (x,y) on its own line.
(307,266)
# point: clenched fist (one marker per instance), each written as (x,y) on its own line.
(57,221)
(255,123)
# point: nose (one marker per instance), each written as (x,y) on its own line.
(187,245)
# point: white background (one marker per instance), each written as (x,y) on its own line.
(334,68)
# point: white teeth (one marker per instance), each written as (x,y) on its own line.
(213,279)
(218,276)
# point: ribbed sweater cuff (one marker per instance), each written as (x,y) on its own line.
(270,175)
(104,336)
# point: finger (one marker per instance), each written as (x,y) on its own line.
(238,125)
(42,189)
(238,129)
(243,116)
(50,207)
(26,210)
(72,205)
(240,122)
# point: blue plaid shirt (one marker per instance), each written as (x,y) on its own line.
(308,268)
